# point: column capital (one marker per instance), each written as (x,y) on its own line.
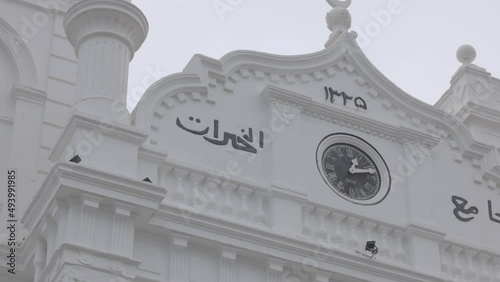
(119,19)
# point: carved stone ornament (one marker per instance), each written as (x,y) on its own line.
(338,19)
(85,259)
(117,268)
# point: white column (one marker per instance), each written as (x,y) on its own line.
(179,175)
(122,231)
(322,277)
(211,191)
(400,254)
(105,34)
(483,264)
(244,212)
(470,273)
(337,237)
(40,258)
(260,217)
(321,233)
(179,259)
(456,268)
(227,207)
(196,180)
(275,270)
(496,266)
(306,223)
(384,249)
(228,271)
(353,237)
(90,206)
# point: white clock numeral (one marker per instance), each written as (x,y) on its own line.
(339,152)
(333,176)
(350,152)
(369,186)
(341,186)
(330,166)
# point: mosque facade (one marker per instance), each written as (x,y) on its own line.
(251,167)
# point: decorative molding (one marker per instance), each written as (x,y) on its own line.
(81,179)
(28,94)
(20,54)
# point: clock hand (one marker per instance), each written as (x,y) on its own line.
(358,170)
(354,164)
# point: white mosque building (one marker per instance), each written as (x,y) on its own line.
(249,168)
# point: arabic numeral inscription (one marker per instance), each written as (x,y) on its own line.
(330,95)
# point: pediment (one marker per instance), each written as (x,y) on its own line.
(316,82)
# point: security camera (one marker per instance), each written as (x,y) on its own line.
(370,247)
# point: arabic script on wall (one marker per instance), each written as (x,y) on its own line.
(466,213)
(246,142)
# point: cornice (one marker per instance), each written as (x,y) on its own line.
(81,120)
(469,69)
(152,154)
(71,178)
(479,111)
(350,118)
(163,92)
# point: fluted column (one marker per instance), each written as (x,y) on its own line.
(105,34)
(179,260)
(275,270)
(90,206)
(40,257)
(123,229)
(228,271)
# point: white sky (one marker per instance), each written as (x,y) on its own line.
(416,49)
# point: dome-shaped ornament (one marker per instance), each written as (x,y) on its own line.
(338,19)
(466,54)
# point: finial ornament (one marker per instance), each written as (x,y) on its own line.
(338,19)
(466,54)
(337,3)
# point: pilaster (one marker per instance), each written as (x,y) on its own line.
(179,258)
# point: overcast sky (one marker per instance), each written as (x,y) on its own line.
(415,47)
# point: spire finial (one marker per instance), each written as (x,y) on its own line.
(338,19)
(466,54)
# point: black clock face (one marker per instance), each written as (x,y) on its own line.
(351,172)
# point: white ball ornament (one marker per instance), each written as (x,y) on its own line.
(466,54)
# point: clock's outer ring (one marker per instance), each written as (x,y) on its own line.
(367,148)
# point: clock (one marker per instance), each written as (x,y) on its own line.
(353,169)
